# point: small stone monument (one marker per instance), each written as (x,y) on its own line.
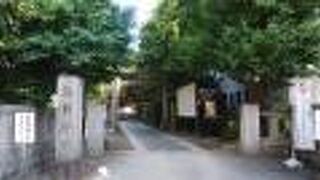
(69,117)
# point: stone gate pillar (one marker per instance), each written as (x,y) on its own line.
(95,128)
(250,129)
(69,116)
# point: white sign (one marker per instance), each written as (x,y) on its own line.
(24,123)
(186,98)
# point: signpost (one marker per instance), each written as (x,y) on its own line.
(186,97)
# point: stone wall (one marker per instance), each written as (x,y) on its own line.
(45,147)
(21,158)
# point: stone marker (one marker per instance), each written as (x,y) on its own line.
(69,115)
(250,129)
(95,128)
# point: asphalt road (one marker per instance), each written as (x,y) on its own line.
(159,156)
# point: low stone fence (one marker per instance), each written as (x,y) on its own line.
(17,158)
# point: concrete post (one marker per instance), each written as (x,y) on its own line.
(250,129)
(116,87)
(274,128)
(95,130)
(69,115)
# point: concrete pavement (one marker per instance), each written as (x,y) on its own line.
(159,156)
(167,157)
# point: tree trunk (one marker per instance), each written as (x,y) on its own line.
(256,93)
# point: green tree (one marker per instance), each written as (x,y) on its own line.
(41,38)
(260,43)
(267,44)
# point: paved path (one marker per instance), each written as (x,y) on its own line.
(159,156)
(166,157)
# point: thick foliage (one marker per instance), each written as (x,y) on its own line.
(264,41)
(42,38)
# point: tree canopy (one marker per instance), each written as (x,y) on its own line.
(261,42)
(41,38)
